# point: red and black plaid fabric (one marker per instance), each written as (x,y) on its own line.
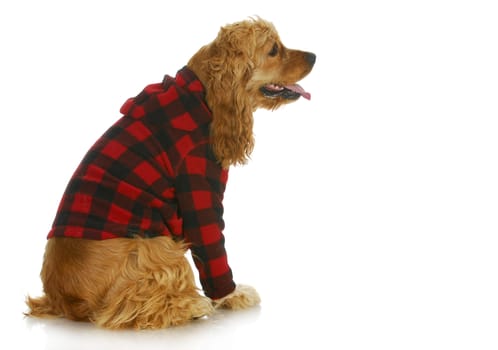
(154,173)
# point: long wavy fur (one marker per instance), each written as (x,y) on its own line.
(225,67)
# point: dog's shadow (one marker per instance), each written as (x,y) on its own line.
(219,328)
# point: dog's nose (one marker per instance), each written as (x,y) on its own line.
(310,58)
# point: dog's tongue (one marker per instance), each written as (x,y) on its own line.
(298,89)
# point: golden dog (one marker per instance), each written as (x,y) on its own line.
(158,176)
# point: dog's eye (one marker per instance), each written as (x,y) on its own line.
(274,50)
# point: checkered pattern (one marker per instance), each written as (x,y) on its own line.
(154,173)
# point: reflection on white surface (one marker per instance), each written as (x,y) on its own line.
(225,327)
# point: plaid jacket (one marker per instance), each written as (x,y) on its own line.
(153,173)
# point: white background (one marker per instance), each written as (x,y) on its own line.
(367,218)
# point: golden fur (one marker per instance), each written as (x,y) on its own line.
(148,283)
(119,283)
(233,68)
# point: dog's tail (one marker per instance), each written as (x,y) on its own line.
(41,307)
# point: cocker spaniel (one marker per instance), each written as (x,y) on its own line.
(152,187)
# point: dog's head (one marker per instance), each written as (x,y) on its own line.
(247,67)
(276,70)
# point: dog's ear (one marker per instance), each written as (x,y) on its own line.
(225,67)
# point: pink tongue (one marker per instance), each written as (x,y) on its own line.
(297,88)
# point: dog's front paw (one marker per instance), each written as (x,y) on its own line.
(242,297)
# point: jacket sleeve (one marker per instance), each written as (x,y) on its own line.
(200,185)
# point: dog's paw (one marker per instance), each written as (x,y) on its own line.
(242,297)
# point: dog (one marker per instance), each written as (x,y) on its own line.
(152,187)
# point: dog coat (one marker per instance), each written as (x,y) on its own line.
(153,173)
